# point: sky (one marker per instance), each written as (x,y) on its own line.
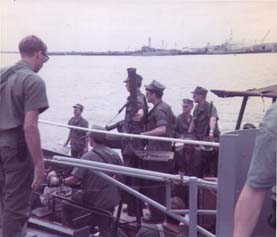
(103,25)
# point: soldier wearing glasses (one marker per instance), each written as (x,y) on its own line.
(22,99)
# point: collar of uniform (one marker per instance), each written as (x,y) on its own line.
(203,106)
(98,147)
(77,119)
(156,105)
(24,64)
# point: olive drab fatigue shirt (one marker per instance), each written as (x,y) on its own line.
(135,127)
(78,137)
(262,171)
(21,90)
(98,191)
(130,125)
(201,117)
(182,125)
(161,115)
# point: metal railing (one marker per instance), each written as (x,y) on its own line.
(192,182)
(168,139)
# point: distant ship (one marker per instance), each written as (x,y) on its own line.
(149,51)
(231,47)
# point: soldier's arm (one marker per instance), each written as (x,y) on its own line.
(212,126)
(138,116)
(71,180)
(212,122)
(32,138)
(159,131)
(68,139)
(247,210)
(191,126)
(86,125)
(69,134)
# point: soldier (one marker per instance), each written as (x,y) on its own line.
(261,176)
(77,138)
(134,122)
(184,119)
(204,126)
(169,227)
(22,99)
(160,122)
(189,160)
(204,120)
(97,192)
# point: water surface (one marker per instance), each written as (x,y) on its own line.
(97,83)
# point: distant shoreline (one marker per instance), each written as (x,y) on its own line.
(138,53)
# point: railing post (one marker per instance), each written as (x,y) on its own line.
(193,207)
(168,195)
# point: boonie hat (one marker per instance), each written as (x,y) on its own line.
(155,86)
(81,107)
(200,90)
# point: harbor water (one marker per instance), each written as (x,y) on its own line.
(97,83)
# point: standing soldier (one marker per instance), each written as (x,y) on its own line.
(204,126)
(134,122)
(160,122)
(184,119)
(77,138)
(204,120)
(22,99)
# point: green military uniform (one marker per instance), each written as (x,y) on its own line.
(158,230)
(21,91)
(130,146)
(183,120)
(160,115)
(262,171)
(77,137)
(97,192)
(201,117)
(135,127)
(182,125)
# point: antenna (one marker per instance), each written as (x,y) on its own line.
(149,42)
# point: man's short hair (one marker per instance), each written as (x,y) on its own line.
(31,44)
(176,204)
(99,138)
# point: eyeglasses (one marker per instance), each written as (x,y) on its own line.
(46,57)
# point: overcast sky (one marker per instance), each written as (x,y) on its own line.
(100,25)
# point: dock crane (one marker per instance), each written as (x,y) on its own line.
(266,34)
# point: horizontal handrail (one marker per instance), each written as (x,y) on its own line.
(168,139)
(141,173)
(96,165)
